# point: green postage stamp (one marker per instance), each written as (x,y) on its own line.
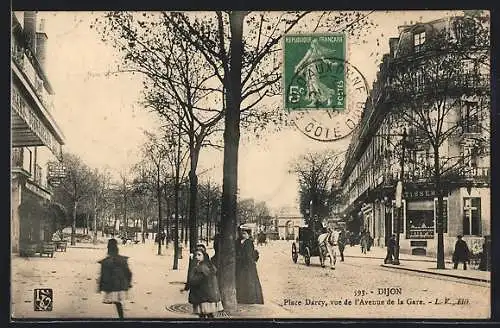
(314,71)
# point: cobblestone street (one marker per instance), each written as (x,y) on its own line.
(155,293)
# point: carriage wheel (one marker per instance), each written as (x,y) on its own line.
(307,256)
(294,253)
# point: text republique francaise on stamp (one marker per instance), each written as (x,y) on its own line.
(324,93)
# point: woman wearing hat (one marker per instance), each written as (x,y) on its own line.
(116,277)
(248,288)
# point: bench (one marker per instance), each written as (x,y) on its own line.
(61,246)
(47,248)
(28,249)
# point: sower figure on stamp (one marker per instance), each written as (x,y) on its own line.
(461,253)
(116,278)
(317,91)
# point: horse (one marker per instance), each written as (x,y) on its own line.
(328,243)
(261,239)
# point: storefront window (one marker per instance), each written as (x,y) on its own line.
(472,216)
(420,219)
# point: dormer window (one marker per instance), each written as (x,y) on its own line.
(418,41)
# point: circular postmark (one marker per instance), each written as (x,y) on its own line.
(326,98)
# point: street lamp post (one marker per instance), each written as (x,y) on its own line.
(399,195)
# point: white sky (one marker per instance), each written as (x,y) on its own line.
(103,122)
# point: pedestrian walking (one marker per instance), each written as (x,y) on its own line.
(364,241)
(370,241)
(391,248)
(248,287)
(116,278)
(163,237)
(204,292)
(461,253)
(352,239)
(342,242)
(214,258)
(485,257)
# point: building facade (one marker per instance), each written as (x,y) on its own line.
(287,223)
(385,142)
(36,138)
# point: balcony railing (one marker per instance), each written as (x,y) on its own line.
(28,68)
(470,126)
(21,160)
(17,158)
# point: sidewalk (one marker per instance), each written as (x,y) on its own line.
(422,264)
(156,291)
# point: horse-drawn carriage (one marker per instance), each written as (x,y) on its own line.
(316,241)
(308,245)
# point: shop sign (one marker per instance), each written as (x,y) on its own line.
(421,233)
(427,193)
(28,115)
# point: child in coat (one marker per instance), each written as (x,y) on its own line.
(204,292)
(115,278)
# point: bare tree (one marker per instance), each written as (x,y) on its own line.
(75,187)
(177,86)
(318,177)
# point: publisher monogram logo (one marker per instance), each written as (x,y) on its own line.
(43,299)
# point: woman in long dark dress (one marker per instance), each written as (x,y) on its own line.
(248,288)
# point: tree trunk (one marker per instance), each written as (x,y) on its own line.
(230,166)
(168,228)
(208,226)
(181,221)
(115,220)
(73,226)
(176,223)
(95,227)
(439,215)
(193,195)
(186,221)
(87,223)
(176,199)
(158,193)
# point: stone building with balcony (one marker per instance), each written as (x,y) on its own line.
(373,160)
(36,139)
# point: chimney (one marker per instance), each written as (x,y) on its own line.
(403,27)
(41,44)
(393,43)
(30,29)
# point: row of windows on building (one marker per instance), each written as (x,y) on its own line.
(419,161)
